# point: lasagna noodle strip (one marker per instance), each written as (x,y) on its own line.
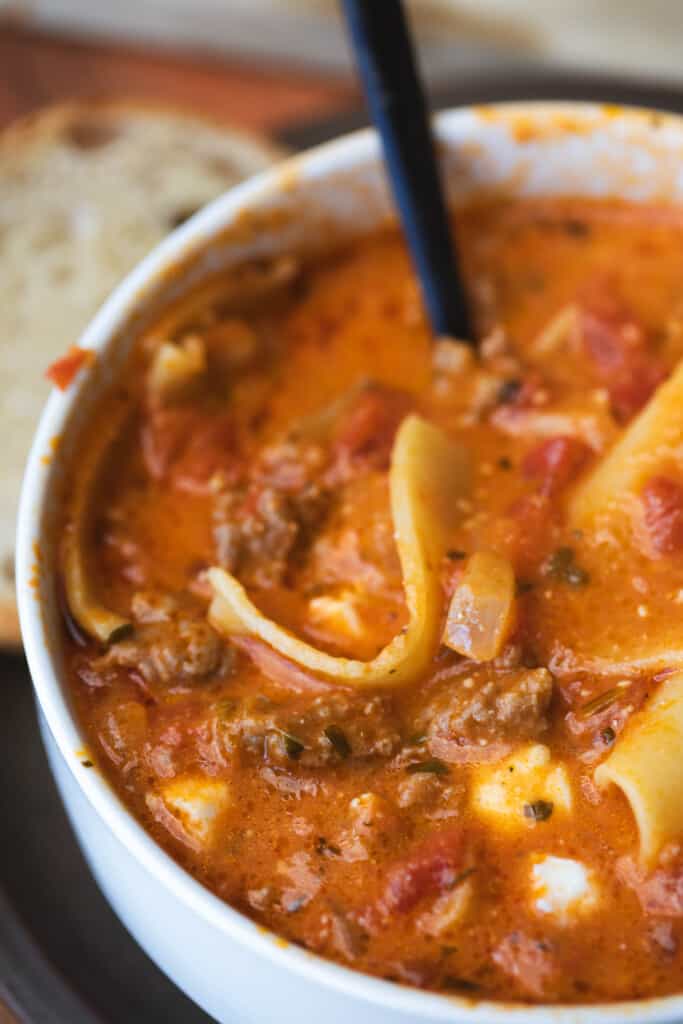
(647,765)
(654,436)
(428,474)
(84,605)
(606,503)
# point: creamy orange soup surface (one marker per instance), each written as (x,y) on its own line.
(449,830)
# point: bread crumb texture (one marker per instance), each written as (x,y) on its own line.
(85,192)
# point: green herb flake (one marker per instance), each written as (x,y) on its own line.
(460,878)
(576,577)
(504,462)
(561,566)
(293,746)
(460,984)
(325,848)
(559,561)
(524,586)
(226,708)
(608,736)
(577,228)
(121,632)
(337,738)
(431,767)
(538,810)
(600,703)
(418,739)
(456,555)
(509,390)
(87,764)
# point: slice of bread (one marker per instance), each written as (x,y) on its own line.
(86,190)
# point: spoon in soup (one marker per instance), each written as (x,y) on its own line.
(388,69)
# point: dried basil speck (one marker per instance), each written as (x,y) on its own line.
(456,555)
(576,576)
(460,878)
(601,702)
(460,984)
(509,390)
(561,566)
(293,746)
(576,228)
(538,810)
(432,767)
(326,849)
(226,708)
(608,736)
(337,738)
(121,633)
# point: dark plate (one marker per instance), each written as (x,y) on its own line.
(64,957)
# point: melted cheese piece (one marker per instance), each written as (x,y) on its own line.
(428,474)
(194,803)
(445,916)
(337,612)
(562,888)
(500,792)
(177,370)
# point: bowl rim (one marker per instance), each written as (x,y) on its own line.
(344,153)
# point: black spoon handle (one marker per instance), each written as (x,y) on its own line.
(387,66)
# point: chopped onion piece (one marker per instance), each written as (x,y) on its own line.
(482,612)
(177,369)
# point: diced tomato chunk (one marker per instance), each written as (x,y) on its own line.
(620,351)
(555,462)
(522,534)
(430,870)
(659,893)
(629,395)
(526,960)
(365,436)
(210,450)
(63,370)
(183,447)
(662,503)
(164,433)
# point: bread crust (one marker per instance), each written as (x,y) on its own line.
(47,124)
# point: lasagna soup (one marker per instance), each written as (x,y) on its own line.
(381,636)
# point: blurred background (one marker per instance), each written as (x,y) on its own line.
(294,53)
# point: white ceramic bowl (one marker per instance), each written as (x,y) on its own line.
(234,969)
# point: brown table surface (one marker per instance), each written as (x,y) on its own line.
(37,69)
